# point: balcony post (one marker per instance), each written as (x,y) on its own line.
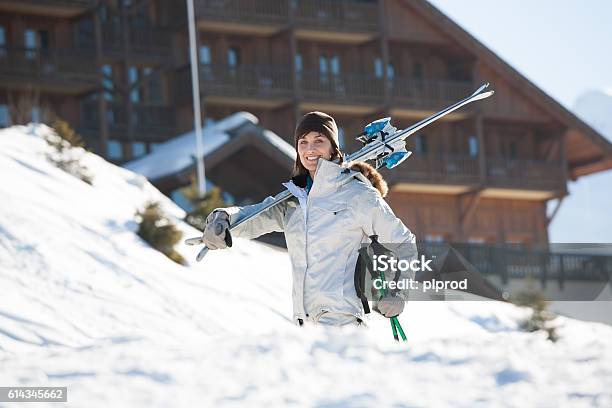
(102,94)
(482,165)
(384,47)
(297,97)
(125,47)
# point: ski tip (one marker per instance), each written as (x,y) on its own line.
(482,92)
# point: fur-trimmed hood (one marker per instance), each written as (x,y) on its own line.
(377,180)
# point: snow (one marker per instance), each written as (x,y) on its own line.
(177,154)
(85,303)
(585,215)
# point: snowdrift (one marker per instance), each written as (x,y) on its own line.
(85,303)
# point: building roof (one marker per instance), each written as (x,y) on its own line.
(236,149)
(587,150)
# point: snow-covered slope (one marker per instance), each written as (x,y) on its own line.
(586,215)
(84,303)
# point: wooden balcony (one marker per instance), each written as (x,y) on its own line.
(341,20)
(151,123)
(410,94)
(247,85)
(440,169)
(67,71)
(562,262)
(145,43)
(345,91)
(244,16)
(525,174)
(55,8)
(454,174)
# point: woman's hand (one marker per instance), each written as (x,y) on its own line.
(391,306)
(216,233)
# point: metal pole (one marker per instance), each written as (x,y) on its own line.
(195,85)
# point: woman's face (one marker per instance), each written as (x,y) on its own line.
(311,147)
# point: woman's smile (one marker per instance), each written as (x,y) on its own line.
(312,147)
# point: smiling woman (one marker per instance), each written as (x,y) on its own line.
(325,224)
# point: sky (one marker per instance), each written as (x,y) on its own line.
(562,46)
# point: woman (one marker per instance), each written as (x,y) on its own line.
(324,224)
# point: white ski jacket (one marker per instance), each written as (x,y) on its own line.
(324,231)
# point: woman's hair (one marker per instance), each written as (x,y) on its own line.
(321,123)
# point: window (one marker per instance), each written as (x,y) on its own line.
(390,71)
(378,68)
(323,69)
(298,63)
(473,146)
(134,75)
(30,43)
(2,41)
(435,238)
(5,119)
(154,146)
(154,86)
(208,122)
(233,57)
(35,40)
(114,150)
(420,144)
(103,8)
(323,65)
(43,40)
(107,82)
(335,65)
(205,57)
(36,114)
(138,149)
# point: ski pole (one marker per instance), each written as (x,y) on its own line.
(395,324)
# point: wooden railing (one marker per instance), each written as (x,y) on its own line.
(465,170)
(58,65)
(147,120)
(339,15)
(62,3)
(336,15)
(245,81)
(427,93)
(253,11)
(148,41)
(440,168)
(515,261)
(345,88)
(524,173)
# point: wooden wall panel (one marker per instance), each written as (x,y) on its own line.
(494,220)
(405,24)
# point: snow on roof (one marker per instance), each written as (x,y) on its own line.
(178,153)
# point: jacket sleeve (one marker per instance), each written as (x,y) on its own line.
(392,233)
(270,220)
